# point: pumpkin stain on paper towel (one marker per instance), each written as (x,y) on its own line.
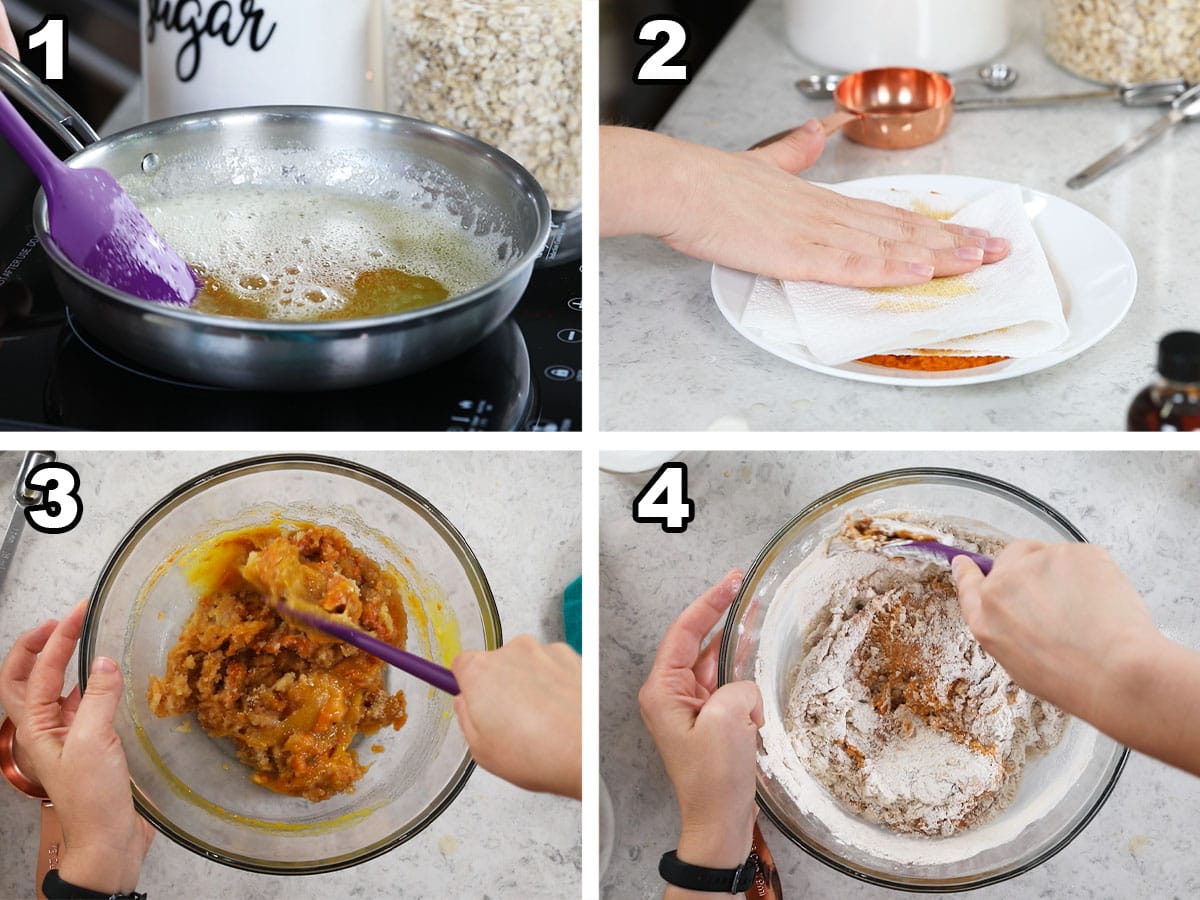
(921,297)
(919,206)
(924,297)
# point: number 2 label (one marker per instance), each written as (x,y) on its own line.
(656,66)
(664,500)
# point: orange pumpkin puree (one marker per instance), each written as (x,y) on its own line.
(930,363)
(291,699)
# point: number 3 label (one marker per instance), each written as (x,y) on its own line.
(60,507)
(654,68)
(664,500)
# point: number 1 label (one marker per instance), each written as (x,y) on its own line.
(51,33)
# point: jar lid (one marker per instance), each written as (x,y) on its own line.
(1179,356)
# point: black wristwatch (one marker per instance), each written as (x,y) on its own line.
(54,888)
(699,878)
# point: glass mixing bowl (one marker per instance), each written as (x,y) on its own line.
(1059,792)
(193,787)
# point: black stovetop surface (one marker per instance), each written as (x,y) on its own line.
(525,376)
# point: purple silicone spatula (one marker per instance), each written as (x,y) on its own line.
(429,672)
(935,550)
(97,225)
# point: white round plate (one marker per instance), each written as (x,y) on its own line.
(1092,267)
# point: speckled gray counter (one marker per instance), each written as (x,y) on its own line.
(1142,506)
(494,840)
(669,360)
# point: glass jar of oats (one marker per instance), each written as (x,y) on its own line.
(508,72)
(1124,40)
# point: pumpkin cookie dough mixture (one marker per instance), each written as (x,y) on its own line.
(291,699)
(893,706)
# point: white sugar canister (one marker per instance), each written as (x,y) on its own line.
(212,54)
(943,35)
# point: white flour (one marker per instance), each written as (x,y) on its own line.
(876,694)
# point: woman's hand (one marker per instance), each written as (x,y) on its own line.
(70,747)
(748,211)
(707,736)
(1068,626)
(8,43)
(521,711)
(1058,617)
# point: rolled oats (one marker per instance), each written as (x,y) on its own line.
(504,71)
(1125,40)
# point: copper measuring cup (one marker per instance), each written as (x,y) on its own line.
(50,845)
(892,108)
(888,108)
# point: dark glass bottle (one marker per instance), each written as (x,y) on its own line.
(1173,402)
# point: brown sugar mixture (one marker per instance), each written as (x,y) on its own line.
(375,292)
(292,700)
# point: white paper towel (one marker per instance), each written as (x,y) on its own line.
(1010,308)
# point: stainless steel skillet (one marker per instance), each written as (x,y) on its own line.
(397,159)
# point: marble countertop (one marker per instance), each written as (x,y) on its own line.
(669,360)
(494,840)
(1142,844)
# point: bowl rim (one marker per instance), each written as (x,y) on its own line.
(891,478)
(227,471)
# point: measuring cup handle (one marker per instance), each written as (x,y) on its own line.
(1152,93)
(25,88)
(830,123)
(767,885)
(837,121)
(50,845)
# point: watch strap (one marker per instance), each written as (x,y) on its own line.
(54,888)
(701,878)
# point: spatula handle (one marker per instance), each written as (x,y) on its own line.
(948,553)
(429,672)
(62,118)
(28,145)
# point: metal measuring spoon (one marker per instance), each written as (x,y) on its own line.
(994,76)
(1184,107)
(997,76)
(818,87)
(23,498)
(1147,93)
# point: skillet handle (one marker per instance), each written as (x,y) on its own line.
(24,87)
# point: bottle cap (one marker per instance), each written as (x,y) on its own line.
(1179,356)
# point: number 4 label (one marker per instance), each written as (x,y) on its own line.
(664,500)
